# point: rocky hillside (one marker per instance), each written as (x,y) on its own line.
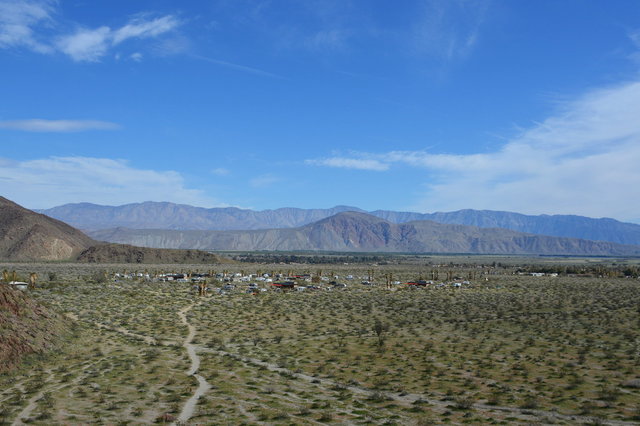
(26,327)
(150,215)
(355,231)
(122,253)
(25,235)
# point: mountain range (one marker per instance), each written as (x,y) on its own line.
(170,216)
(165,215)
(26,235)
(362,232)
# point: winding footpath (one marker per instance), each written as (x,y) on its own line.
(22,417)
(203,386)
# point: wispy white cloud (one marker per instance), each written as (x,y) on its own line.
(264,181)
(176,44)
(23,23)
(350,163)
(450,28)
(85,44)
(90,45)
(634,37)
(317,26)
(220,171)
(140,28)
(328,39)
(53,181)
(17,22)
(237,67)
(40,125)
(581,160)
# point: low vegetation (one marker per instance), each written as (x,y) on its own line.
(504,348)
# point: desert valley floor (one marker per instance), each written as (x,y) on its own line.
(503,348)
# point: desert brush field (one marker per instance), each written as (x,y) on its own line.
(502,348)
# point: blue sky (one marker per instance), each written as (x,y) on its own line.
(434,105)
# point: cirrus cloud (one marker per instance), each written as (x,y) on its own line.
(30,24)
(351,163)
(17,22)
(90,45)
(52,181)
(583,159)
(85,45)
(40,125)
(264,180)
(450,28)
(141,28)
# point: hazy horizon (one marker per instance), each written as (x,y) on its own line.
(313,208)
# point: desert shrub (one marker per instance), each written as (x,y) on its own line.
(530,403)
(632,383)
(608,393)
(463,402)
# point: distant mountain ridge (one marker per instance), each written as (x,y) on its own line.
(166,215)
(361,232)
(603,229)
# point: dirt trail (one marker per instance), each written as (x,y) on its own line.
(144,338)
(31,405)
(203,386)
(23,417)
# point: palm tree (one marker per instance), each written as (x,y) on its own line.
(32,280)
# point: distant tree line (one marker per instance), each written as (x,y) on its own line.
(308,259)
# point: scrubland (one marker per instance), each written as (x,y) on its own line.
(503,349)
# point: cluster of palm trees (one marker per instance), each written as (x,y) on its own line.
(12,276)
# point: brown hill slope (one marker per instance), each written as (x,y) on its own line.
(29,236)
(25,235)
(26,327)
(123,253)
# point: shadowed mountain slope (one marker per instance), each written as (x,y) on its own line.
(355,231)
(164,215)
(603,229)
(123,253)
(152,215)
